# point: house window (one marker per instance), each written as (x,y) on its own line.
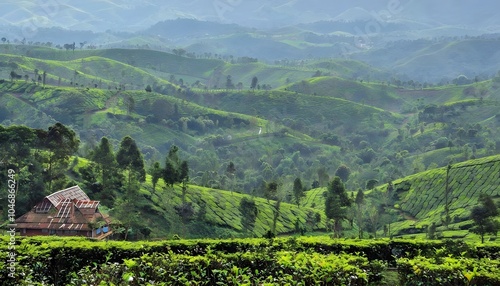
(45,231)
(52,231)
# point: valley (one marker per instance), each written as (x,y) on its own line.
(249,143)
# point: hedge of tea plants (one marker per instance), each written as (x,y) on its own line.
(442,271)
(279,261)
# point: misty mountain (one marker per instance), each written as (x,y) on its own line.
(404,37)
(189,28)
(128,15)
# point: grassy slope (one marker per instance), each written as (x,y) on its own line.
(378,95)
(450,93)
(421,197)
(222,209)
(470,55)
(306,109)
(350,69)
(94,105)
(162,65)
(425,60)
(425,198)
(90,70)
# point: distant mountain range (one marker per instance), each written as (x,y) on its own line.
(406,37)
(128,15)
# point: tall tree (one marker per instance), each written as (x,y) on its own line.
(276,215)
(229,82)
(44,77)
(171,174)
(373,219)
(16,144)
(343,172)
(230,173)
(107,166)
(14,75)
(323,177)
(298,190)
(249,212)
(447,218)
(360,200)
(173,157)
(254,83)
(129,158)
(156,173)
(271,191)
(336,204)
(126,209)
(104,156)
(184,178)
(60,142)
(484,217)
(130,102)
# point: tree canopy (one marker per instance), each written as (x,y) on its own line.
(336,203)
(130,158)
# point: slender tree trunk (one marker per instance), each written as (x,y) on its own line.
(360,222)
(337,228)
(129,180)
(126,233)
(447,204)
(49,171)
(184,190)
(276,214)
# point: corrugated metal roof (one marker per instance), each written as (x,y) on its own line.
(67,203)
(87,204)
(70,193)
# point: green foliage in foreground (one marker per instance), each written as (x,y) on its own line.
(249,268)
(449,271)
(300,261)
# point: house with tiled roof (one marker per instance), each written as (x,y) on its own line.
(69,212)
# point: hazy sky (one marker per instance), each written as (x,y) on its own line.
(135,15)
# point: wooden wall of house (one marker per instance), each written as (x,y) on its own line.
(35,232)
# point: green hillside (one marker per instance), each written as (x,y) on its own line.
(419,200)
(90,71)
(306,127)
(422,196)
(469,54)
(161,66)
(216,213)
(374,94)
(429,60)
(306,109)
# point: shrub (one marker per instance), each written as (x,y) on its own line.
(448,271)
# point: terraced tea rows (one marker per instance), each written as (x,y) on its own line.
(420,198)
(222,208)
(423,195)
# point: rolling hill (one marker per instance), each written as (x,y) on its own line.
(431,61)
(419,200)
(303,126)
(216,213)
